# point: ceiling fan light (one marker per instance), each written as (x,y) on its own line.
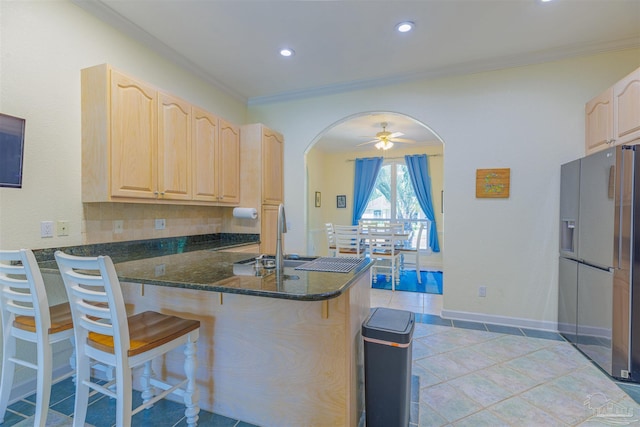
(286,52)
(388,145)
(405,27)
(380,145)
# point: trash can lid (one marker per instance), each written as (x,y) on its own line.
(389,325)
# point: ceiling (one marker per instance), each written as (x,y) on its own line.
(344,45)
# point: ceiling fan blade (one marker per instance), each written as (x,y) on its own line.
(396,134)
(368,142)
(404,140)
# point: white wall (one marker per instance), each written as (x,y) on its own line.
(45,44)
(529,119)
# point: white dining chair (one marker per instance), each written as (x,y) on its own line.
(26,316)
(105,334)
(413,250)
(382,249)
(348,241)
(331,239)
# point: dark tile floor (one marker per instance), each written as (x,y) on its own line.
(101,411)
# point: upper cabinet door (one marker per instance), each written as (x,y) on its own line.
(174,149)
(229,165)
(272,167)
(142,145)
(626,108)
(205,155)
(599,122)
(134,109)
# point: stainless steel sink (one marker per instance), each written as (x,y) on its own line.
(247,267)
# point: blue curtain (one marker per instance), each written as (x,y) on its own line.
(421,181)
(365,179)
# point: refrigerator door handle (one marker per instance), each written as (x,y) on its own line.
(623,193)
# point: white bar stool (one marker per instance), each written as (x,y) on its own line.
(105,334)
(26,316)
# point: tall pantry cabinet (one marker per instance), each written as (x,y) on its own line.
(262,177)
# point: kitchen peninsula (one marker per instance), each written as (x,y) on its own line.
(274,350)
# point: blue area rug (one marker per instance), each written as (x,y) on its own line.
(431,282)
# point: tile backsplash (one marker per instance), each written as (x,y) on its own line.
(138,221)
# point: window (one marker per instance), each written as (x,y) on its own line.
(393,198)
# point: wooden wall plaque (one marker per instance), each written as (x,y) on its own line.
(492,183)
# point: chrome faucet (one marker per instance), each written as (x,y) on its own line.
(282,228)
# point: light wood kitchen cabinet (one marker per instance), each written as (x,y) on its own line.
(133,140)
(272,167)
(216,159)
(613,117)
(262,180)
(174,148)
(119,136)
(229,163)
(269,229)
(142,145)
(626,108)
(599,122)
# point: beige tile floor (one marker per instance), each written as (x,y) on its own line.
(479,378)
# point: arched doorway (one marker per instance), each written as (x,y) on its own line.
(330,170)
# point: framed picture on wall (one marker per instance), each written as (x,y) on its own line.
(318,199)
(341,201)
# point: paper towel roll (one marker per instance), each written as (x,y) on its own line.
(246,213)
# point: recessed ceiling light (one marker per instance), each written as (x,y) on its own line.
(287,52)
(405,27)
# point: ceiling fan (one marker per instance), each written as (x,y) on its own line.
(385,139)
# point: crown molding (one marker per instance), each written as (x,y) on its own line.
(122,24)
(471,67)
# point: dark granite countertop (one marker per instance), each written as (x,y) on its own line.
(142,249)
(208,270)
(201,263)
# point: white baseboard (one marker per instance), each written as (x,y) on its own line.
(515,322)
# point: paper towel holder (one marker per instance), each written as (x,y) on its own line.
(245,213)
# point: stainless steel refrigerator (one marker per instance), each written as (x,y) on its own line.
(599,266)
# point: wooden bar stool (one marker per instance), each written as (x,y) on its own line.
(105,334)
(26,316)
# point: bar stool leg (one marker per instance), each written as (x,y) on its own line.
(83,374)
(124,399)
(72,358)
(8,368)
(147,389)
(43,385)
(191,390)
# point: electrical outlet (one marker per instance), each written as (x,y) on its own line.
(482,291)
(159,270)
(118,226)
(62,228)
(160,224)
(46,229)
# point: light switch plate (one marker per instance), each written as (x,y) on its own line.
(160,224)
(46,229)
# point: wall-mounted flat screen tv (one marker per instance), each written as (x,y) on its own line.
(11,150)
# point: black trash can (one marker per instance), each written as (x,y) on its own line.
(387,337)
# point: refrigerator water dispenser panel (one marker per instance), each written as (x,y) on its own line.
(567,229)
